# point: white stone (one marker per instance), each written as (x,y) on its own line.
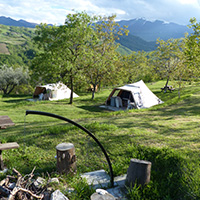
(58,195)
(100,179)
(97,178)
(39,183)
(54,180)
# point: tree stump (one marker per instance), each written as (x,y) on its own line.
(139,172)
(66,159)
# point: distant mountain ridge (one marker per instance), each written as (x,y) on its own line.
(147,30)
(142,33)
(150,31)
(11,22)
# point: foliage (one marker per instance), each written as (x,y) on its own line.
(88,49)
(63,47)
(100,60)
(191,51)
(169,62)
(136,67)
(167,173)
(167,59)
(10,77)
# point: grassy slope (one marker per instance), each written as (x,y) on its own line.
(14,37)
(174,125)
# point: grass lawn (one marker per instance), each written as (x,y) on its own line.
(167,135)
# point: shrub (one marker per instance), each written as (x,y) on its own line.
(170,175)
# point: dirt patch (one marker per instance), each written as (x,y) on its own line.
(4,49)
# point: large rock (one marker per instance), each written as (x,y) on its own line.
(58,195)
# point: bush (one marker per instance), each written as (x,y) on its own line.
(170,175)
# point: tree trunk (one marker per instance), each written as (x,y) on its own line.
(166,84)
(93,94)
(179,88)
(179,91)
(93,90)
(139,172)
(66,159)
(72,90)
(12,88)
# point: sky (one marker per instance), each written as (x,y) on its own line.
(55,11)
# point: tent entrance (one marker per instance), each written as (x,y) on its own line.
(136,95)
(121,99)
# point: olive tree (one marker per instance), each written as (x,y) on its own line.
(11,77)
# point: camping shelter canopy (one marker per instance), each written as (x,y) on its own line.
(136,95)
(55,91)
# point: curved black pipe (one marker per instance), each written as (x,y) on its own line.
(81,127)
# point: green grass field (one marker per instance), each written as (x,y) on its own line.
(167,135)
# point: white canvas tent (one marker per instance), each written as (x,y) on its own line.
(55,91)
(136,95)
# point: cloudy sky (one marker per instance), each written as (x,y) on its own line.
(55,11)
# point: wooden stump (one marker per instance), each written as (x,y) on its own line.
(5,146)
(66,158)
(139,172)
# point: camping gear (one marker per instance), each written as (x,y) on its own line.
(55,91)
(136,95)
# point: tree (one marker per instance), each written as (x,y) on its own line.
(135,67)
(101,57)
(63,48)
(192,49)
(167,58)
(10,77)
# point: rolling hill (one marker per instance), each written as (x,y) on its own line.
(16,37)
(135,43)
(16,45)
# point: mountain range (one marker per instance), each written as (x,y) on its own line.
(142,33)
(151,30)
(11,22)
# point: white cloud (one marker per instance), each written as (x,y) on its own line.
(188,2)
(55,11)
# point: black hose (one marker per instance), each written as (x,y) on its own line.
(84,129)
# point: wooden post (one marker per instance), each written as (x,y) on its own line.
(1,161)
(139,172)
(66,158)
